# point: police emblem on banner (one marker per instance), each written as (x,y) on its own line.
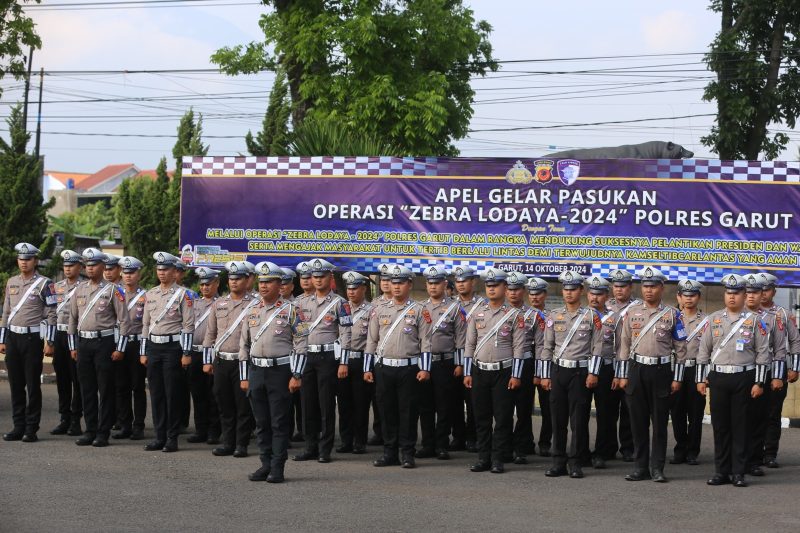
(544,170)
(568,170)
(519,174)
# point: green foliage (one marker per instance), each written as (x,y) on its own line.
(273,139)
(397,70)
(189,142)
(754,56)
(95,220)
(331,137)
(24,215)
(17,35)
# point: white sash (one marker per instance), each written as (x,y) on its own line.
(233,326)
(91,304)
(571,333)
(66,298)
(728,337)
(171,301)
(135,298)
(492,332)
(322,315)
(269,321)
(394,325)
(24,298)
(442,318)
(648,327)
(696,330)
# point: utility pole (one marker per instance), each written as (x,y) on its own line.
(27,88)
(39,116)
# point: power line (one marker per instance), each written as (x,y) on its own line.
(143,4)
(552,126)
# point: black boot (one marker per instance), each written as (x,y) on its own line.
(61,428)
(276,473)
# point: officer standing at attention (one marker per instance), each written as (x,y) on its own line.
(287,294)
(112,271)
(687,406)
(29,317)
(272,353)
(129,373)
(166,348)
(537,296)
(354,394)
(328,317)
(207,426)
(221,359)
(651,331)
(397,359)
(385,296)
(493,360)
(287,284)
(95,310)
(733,361)
(69,391)
(445,327)
(570,364)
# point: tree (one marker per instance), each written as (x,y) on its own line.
(755,59)
(397,69)
(331,137)
(273,139)
(190,142)
(24,215)
(95,220)
(17,35)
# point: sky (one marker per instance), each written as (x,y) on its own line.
(556,90)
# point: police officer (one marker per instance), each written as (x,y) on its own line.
(287,284)
(287,294)
(605,443)
(569,365)
(733,360)
(534,341)
(464,435)
(252,288)
(353,393)
(201,385)
(304,275)
(783,319)
(129,373)
(221,356)
(112,271)
(445,327)
(97,307)
(397,359)
(29,317)
(622,290)
(166,347)
(328,317)
(69,391)
(687,406)
(537,296)
(493,360)
(272,353)
(385,296)
(180,271)
(650,333)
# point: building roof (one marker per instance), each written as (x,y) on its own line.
(105,174)
(151,173)
(63,177)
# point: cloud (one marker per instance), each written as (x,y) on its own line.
(671,31)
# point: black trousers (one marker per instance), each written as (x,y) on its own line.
(730,397)
(353,397)
(648,393)
(605,441)
(622,420)
(436,406)
(773,435)
(201,386)
(235,414)
(687,408)
(464,430)
(297,420)
(164,373)
(570,404)
(319,401)
(96,374)
(131,394)
(398,397)
(523,405)
(377,427)
(546,430)
(70,406)
(24,356)
(492,400)
(271,403)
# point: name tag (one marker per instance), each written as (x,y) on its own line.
(740,345)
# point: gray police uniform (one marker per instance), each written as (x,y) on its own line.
(618,405)
(353,393)
(131,391)
(687,406)
(207,427)
(70,405)
(464,428)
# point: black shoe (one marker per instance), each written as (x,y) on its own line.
(345,448)
(658,476)
(116,427)
(598,463)
(154,446)
(408,462)
(638,475)
(677,460)
(577,472)
(123,434)
(385,461)
(375,440)
(75,428)
(556,472)
(443,455)
(771,462)
(222,451)
(719,479)
(756,471)
(627,457)
(85,440)
(260,474)
(240,452)
(306,456)
(692,461)
(425,453)
(457,446)
(13,435)
(276,475)
(324,458)
(544,452)
(196,437)
(29,437)
(520,460)
(101,441)
(61,428)
(497,468)
(738,480)
(170,446)
(359,450)
(137,434)
(213,440)
(471,446)
(297,437)
(480,466)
